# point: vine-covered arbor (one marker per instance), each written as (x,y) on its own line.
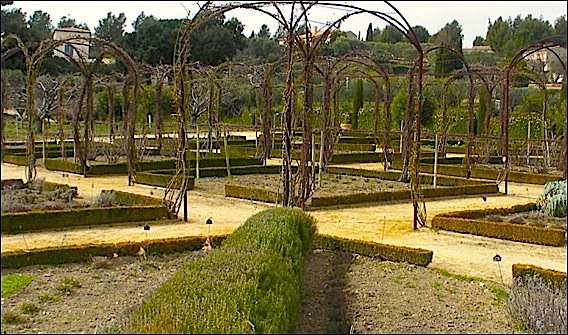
(311,81)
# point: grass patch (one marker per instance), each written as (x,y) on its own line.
(29,308)
(68,285)
(48,297)
(13,283)
(459,277)
(12,318)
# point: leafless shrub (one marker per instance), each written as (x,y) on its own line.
(105,199)
(539,305)
(34,196)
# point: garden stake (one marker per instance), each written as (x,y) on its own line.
(384,223)
(497,259)
(209,222)
(146,228)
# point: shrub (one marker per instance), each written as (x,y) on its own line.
(250,284)
(105,199)
(538,304)
(553,198)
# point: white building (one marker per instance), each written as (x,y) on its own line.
(546,61)
(75,48)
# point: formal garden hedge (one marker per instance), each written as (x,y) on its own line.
(384,252)
(251,283)
(128,208)
(479,172)
(470,222)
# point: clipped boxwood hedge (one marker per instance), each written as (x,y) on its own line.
(554,277)
(250,284)
(16,159)
(484,173)
(468,222)
(84,253)
(256,194)
(15,223)
(387,252)
(161,178)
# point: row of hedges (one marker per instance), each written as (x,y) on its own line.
(399,195)
(258,194)
(385,252)
(522,271)
(166,164)
(250,284)
(503,230)
(255,194)
(395,175)
(84,253)
(134,208)
(485,173)
(16,223)
(162,178)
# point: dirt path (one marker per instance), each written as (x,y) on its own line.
(384,223)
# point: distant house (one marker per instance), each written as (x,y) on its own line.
(546,61)
(317,34)
(479,48)
(75,48)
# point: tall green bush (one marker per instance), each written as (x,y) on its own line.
(357,103)
(250,284)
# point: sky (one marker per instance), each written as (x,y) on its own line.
(473,16)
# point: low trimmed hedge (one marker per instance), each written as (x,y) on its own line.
(399,195)
(256,194)
(16,223)
(468,222)
(84,253)
(250,284)
(554,277)
(161,178)
(16,159)
(484,173)
(386,252)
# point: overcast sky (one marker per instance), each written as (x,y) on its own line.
(473,16)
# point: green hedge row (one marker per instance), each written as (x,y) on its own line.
(395,175)
(485,173)
(161,178)
(503,230)
(386,252)
(549,276)
(166,164)
(256,194)
(398,195)
(480,213)
(250,284)
(84,253)
(16,223)
(16,159)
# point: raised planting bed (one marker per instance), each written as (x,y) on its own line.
(523,223)
(484,172)
(339,189)
(39,208)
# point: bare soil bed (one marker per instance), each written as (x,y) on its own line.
(342,293)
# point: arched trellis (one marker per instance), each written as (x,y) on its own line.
(309,51)
(374,65)
(522,54)
(33,64)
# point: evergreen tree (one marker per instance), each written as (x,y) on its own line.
(369,36)
(357,102)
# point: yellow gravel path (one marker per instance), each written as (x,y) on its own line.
(385,223)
